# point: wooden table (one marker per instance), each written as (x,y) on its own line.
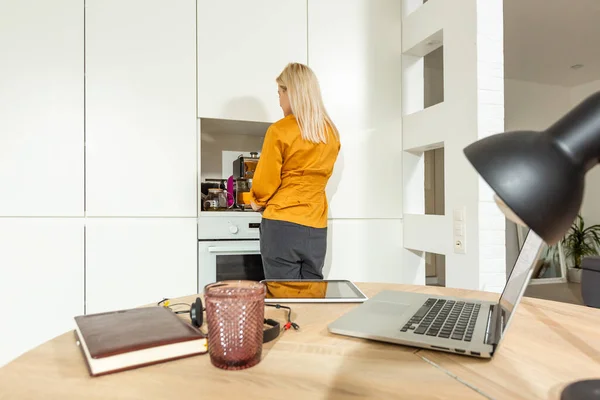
(548,345)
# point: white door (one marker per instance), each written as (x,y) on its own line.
(135,261)
(141,147)
(242,47)
(41,281)
(41,108)
(354,48)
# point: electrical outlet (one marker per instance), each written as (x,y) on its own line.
(459,246)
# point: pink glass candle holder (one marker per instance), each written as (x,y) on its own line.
(235,317)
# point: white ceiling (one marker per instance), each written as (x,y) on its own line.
(544,38)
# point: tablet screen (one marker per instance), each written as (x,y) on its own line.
(306,289)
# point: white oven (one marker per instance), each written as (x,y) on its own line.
(228,247)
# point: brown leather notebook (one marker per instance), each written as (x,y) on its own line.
(119,340)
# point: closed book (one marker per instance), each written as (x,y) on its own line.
(120,340)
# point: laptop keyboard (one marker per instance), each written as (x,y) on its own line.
(445,319)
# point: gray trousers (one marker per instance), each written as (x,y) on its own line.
(292,251)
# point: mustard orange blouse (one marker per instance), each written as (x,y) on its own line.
(292,173)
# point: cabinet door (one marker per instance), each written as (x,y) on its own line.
(141,151)
(365,251)
(41,281)
(137,261)
(354,48)
(242,47)
(41,108)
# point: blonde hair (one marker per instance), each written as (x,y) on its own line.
(304,93)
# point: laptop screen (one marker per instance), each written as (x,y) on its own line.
(519,277)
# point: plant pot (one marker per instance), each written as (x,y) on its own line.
(574,275)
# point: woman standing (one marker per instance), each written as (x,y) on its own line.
(297,159)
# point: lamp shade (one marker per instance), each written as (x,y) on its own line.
(540,175)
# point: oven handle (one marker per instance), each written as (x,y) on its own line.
(225,249)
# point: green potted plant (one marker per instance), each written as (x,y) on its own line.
(579,242)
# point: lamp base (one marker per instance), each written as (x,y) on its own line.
(582,390)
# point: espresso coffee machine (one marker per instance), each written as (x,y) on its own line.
(243,173)
(244,167)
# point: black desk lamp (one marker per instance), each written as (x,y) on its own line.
(538,178)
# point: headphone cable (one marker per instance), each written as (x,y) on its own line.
(289,316)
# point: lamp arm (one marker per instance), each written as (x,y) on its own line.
(578,132)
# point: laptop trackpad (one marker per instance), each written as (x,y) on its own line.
(380,318)
(374,319)
(377,315)
(388,309)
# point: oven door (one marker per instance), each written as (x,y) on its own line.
(229,260)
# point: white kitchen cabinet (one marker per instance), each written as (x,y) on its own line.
(141,129)
(355,50)
(365,251)
(135,261)
(242,47)
(41,108)
(41,281)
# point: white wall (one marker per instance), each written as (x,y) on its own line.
(578,93)
(534,106)
(590,210)
(472,40)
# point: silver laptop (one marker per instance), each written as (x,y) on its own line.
(452,324)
